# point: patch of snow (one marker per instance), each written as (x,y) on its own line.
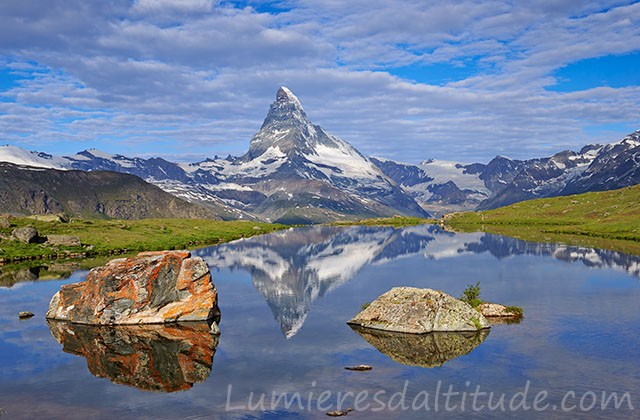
(347,161)
(443,171)
(100,154)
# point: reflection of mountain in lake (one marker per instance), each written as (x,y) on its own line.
(502,246)
(425,350)
(293,268)
(163,358)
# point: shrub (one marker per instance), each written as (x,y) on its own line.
(471,295)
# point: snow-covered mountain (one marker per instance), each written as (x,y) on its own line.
(293,172)
(296,172)
(442,187)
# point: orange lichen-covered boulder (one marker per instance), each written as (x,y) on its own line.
(151,288)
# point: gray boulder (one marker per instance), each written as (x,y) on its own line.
(27,234)
(63,240)
(419,311)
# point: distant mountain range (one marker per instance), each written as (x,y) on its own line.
(296,172)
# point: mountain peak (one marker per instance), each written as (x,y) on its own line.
(286,108)
(285,95)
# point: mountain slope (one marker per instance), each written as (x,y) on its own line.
(616,165)
(27,190)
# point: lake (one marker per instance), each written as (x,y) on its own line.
(285,299)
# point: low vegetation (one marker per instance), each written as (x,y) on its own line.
(471,295)
(515,310)
(105,237)
(607,219)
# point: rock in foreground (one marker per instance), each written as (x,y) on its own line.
(152,288)
(418,311)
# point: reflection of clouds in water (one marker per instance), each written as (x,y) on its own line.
(579,329)
(294,268)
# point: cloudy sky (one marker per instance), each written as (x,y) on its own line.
(408,80)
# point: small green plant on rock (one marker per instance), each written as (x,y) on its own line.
(471,295)
(476,322)
(515,310)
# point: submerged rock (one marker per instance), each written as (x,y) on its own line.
(424,350)
(163,358)
(152,288)
(419,311)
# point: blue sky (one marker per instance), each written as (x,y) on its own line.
(408,80)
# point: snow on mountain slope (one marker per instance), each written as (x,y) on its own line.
(18,156)
(439,186)
(443,171)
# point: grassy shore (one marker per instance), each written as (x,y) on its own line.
(608,219)
(107,237)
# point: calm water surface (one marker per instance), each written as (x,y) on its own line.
(285,299)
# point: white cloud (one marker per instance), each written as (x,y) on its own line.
(202,75)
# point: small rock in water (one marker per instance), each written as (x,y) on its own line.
(359,368)
(339,413)
(25,314)
(496,310)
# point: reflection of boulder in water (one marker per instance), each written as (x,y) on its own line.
(9,277)
(18,273)
(155,357)
(425,350)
